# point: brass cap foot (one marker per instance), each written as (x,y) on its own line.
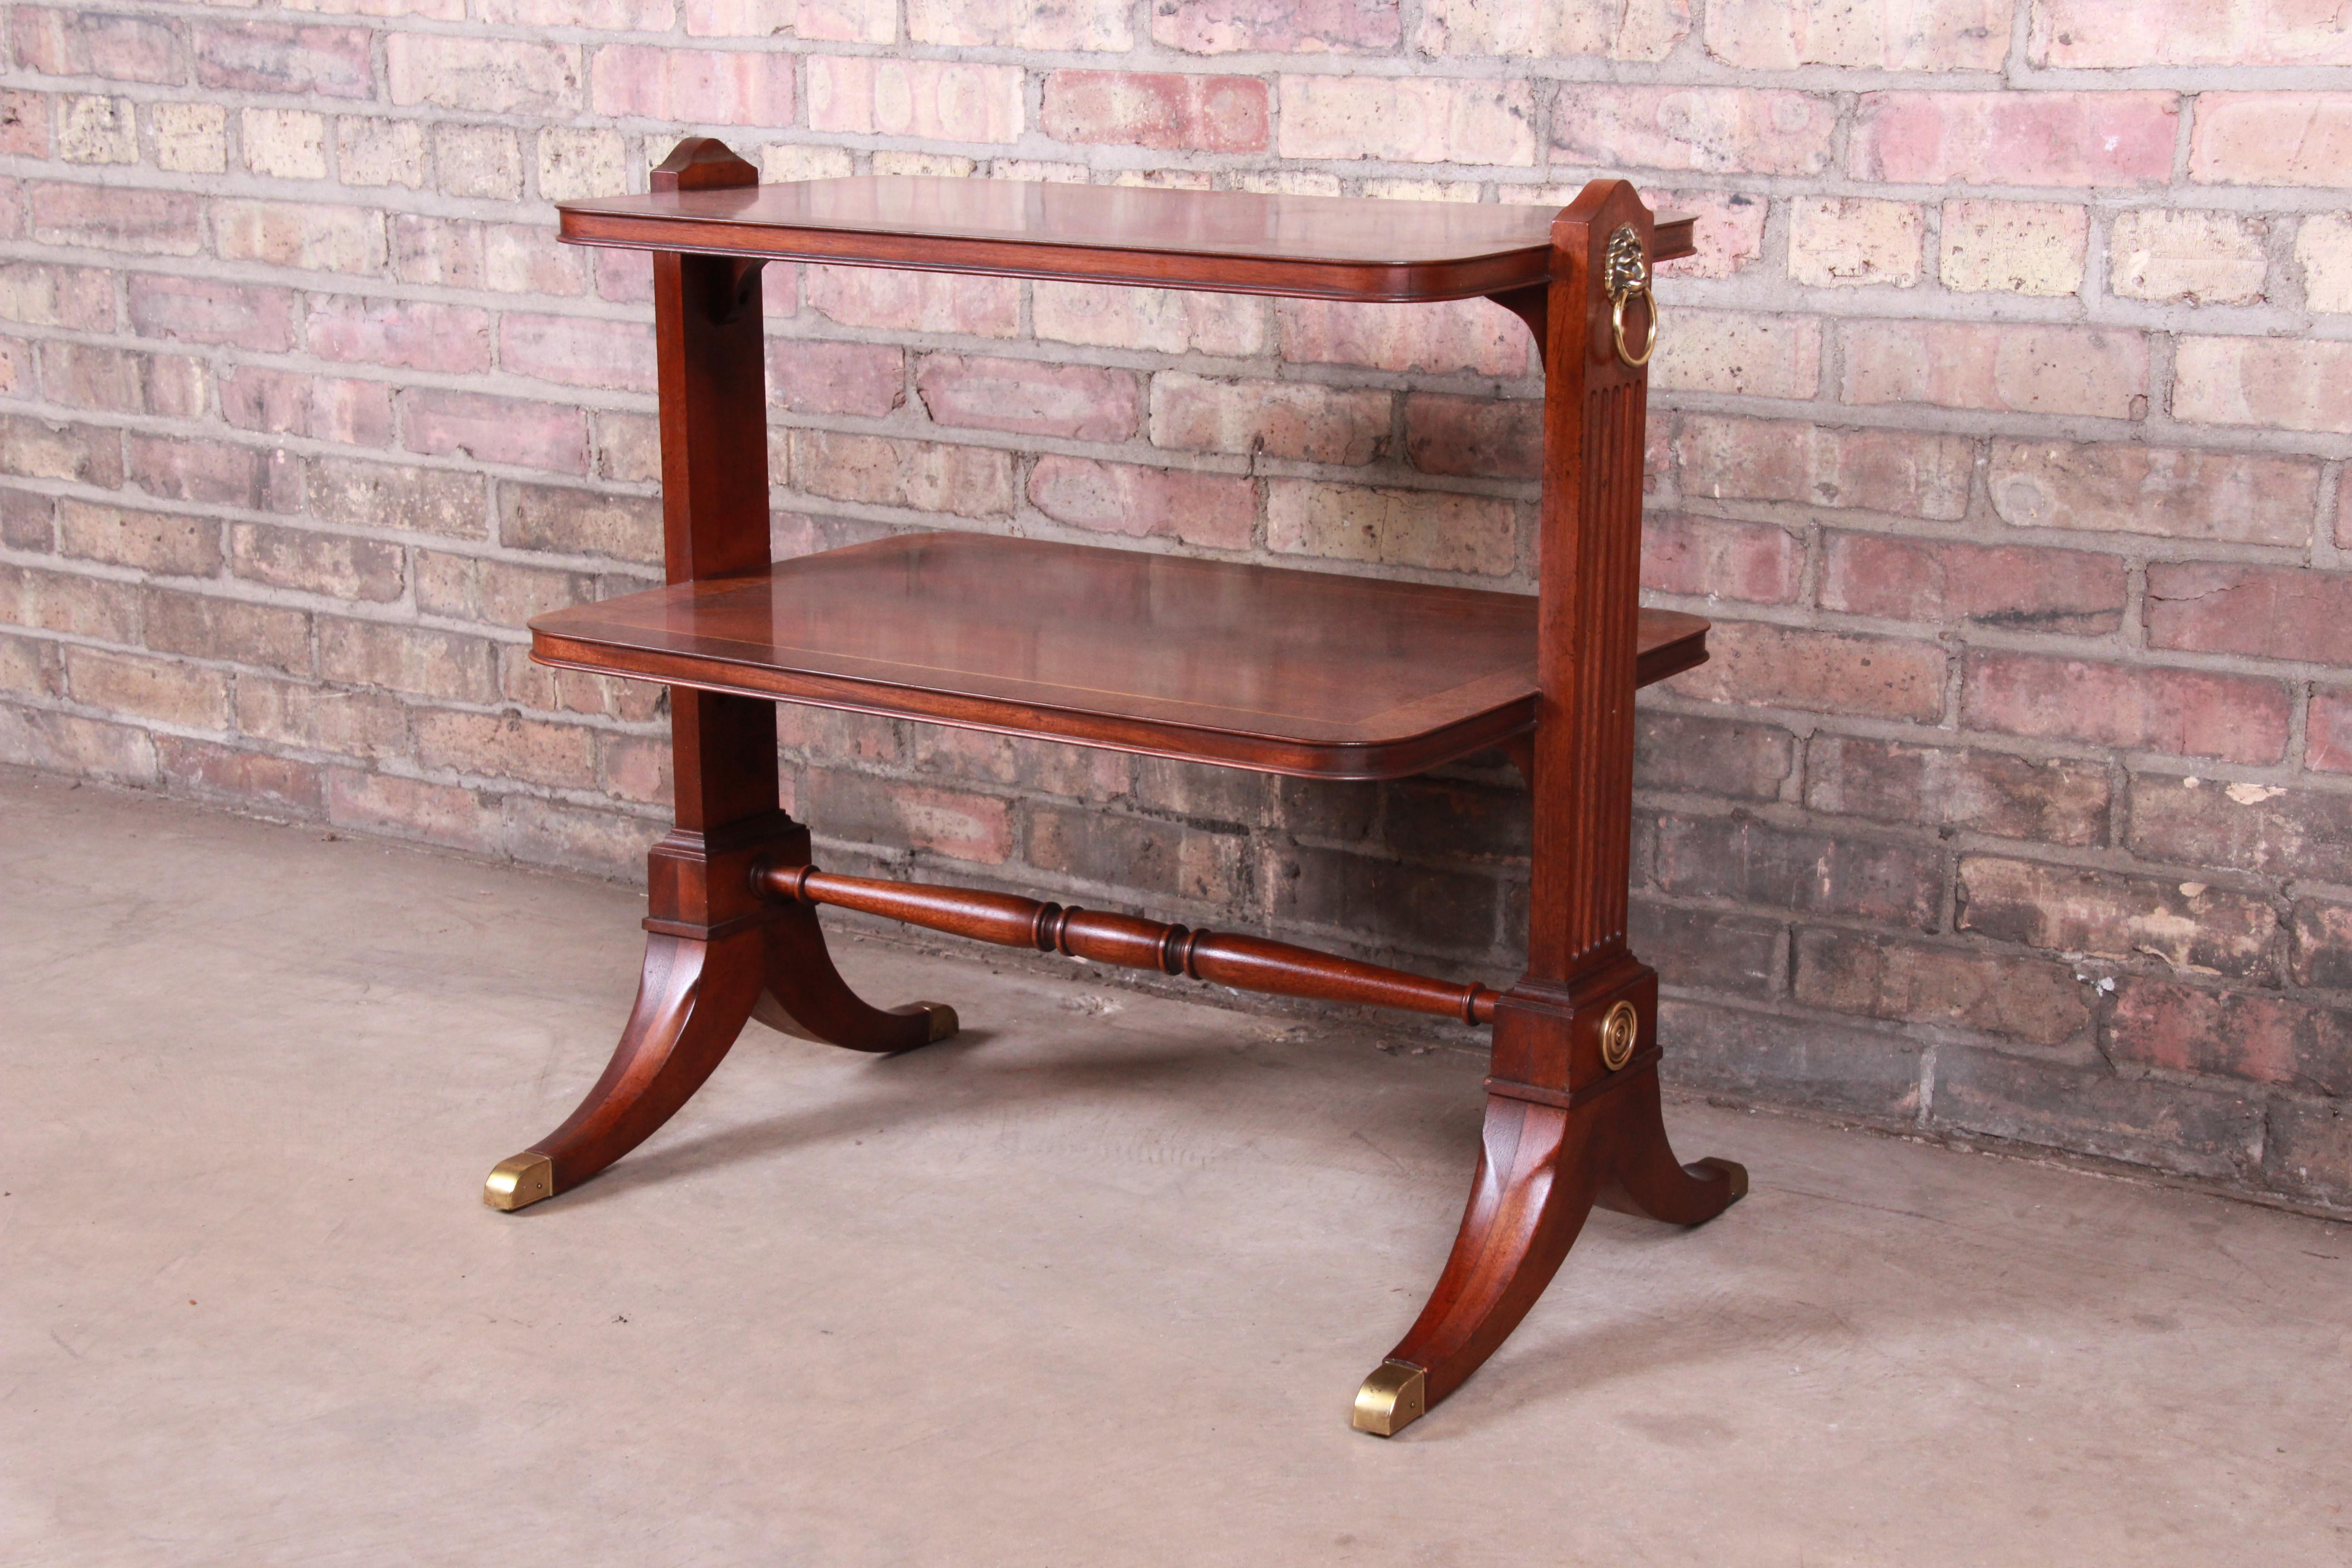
(944,1021)
(520,1182)
(1391,1399)
(1738,1172)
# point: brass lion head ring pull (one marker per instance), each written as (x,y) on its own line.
(1625,273)
(1620,1028)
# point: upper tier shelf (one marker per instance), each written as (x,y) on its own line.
(1318,246)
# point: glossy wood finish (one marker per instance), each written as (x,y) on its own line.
(1324,247)
(1242,962)
(1309,673)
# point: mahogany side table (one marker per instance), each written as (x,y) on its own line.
(1312,674)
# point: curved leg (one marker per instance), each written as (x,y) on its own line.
(1647,1173)
(1540,1169)
(803,993)
(692,1002)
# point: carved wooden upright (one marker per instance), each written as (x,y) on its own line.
(1230,663)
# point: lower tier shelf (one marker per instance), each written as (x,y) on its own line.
(1308,673)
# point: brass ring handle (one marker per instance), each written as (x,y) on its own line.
(1617,320)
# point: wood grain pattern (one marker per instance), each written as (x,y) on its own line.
(1310,673)
(1233,241)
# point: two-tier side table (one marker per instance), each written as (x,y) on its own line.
(1316,675)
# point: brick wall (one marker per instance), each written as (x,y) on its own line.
(2000,427)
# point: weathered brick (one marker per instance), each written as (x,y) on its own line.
(892,815)
(1905,472)
(866,95)
(28,522)
(813,376)
(2090,1110)
(80,454)
(76,297)
(573,163)
(1473,335)
(2328,746)
(1826,672)
(2054,802)
(2240,498)
(372,152)
(416,659)
(312,235)
(1274,26)
(1083,403)
(1375,903)
(105,218)
(2188,712)
(204,310)
(82,43)
(87,748)
(2116,139)
(2262,1039)
(608,15)
(1218,510)
(1158,109)
(1706,949)
(1159,320)
(1035,767)
(2307,1152)
(1752,862)
(487,429)
(2203,257)
(702,85)
(480,161)
(2270,138)
(24,124)
(1735,352)
(1784,35)
(580,521)
(2024,369)
(163,689)
(972,481)
(1845,241)
(148,540)
(481,76)
(1426,119)
(1728,230)
(2022,999)
(337,565)
(123,381)
(2014,248)
(498,593)
(1428,529)
(68,602)
(627,447)
(1300,420)
(295,402)
(507,745)
(2299,383)
(286,143)
(30,667)
(297,61)
(351,493)
(577,350)
(1458,820)
(1812,1063)
(412,334)
(1632,30)
(2087,34)
(2272,612)
(220,473)
(1717,129)
(94,129)
(1756,561)
(525,258)
(1485,437)
(189,138)
(2279,830)
(2018,588)
(916,301)
(411,808)
(2322,248)
(2322,951)
(201,626)
(1725,757)
(320,718)
(212,771)
(2064,910)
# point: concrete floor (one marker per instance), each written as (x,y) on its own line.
(1092,1285)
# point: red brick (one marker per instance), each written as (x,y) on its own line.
(2240,498)
(1163,110)
(2018,588)
(1035,767)
(1756,561)
(1300,420)
(2322,953)
(813,376)
(353,494)
(971,481)
(2263,1039)
(85,748)
(2187,712)
(150,540)
(410,808)
(28,522)
(1473,335)
(297,61)
(2299,383)
(1408,119)
(507,745)
(1219,511)
(1706,949)
(220,473)
(413,335)
(2027,370)
(578,352)
(83,43)
(295,403)
(2091,35)
(1275,26)
(1752,862)
(2270,612)
(939,100)
(1160,321)
(2329,744)
(482,76)
(1719,130)
(1693,753)
(122,382)
(627,447)
(81,454)
(473,587)
(1907,472)
(522,258)
(2114,138)
(1480,437)
(580,521)
(414,659)
(487,429)
(1431,529)
(334,564)
(2055,802)
(30,667)
(166,691)
(2272,138)
(701,85)
(68,602)
(201,625)
(24,124)
(1728,233)
(916,301)
(76,297)
(1826,672)
(1083,403)
(2022,999)
(2281,831)
(248,778)
(894,815)
(2061,909)
(203,310)
(636,767)
(575,691)
(314,235)
(118,218)
(446,251)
